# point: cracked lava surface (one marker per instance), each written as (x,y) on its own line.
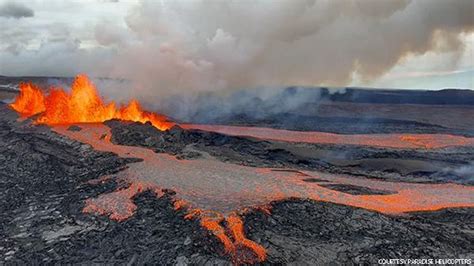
(216,192)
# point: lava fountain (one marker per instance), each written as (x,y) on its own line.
(82,105)
(214,192)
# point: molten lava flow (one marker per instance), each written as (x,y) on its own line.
(216,193)
(398,141)
(236,226)
(233,238)
(108,204)
(82,105)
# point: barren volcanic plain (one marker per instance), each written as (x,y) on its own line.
(354,176)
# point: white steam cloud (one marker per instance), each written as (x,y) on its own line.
(216,45)
(175,46)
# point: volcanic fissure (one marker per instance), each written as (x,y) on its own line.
(215,192)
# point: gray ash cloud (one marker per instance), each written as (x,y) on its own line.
(15,10)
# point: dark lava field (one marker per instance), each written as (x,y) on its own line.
(46,178)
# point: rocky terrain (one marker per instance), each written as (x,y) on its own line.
(45,179)
(409,165)
(324,233)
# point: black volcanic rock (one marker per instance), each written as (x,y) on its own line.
(356,190)
(45,178)
(177,141)
(325,233)
(44,181)
(340,125)
(427,97)
(339,159)
(74,128)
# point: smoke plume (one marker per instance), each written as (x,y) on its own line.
(218,45)
(169,47)
(15,10)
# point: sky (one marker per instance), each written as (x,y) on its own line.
(210,45)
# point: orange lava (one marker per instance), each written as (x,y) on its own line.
(236,226)
(30,101)
(399,141)
(216,193)
(423,141)
(107,204)
(82,105)
(229,231)
(231,235)
(180,204)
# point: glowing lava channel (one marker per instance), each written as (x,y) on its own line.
(82,105)
(216,192)
(398,141)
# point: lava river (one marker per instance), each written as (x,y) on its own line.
(215,192)
(401,141)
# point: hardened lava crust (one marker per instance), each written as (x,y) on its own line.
(46,179)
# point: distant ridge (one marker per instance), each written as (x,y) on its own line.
(394,96)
